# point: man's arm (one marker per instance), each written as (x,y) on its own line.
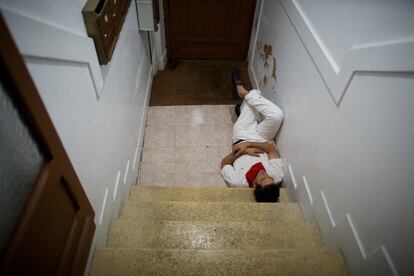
(269,148)
(228,160)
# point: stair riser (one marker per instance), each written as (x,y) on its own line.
(223,212)
(217,262)
(144,194)
(213,235)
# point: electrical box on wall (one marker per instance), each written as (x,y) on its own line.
(104,20)
(148,15)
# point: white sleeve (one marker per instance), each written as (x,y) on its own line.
(276,166)
(229,175)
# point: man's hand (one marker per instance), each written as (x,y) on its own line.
(242,91)
(240,148)
(268,148)
(254,152)
(246,148)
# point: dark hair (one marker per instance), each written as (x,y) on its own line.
(268,193)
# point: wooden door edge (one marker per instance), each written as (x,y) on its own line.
(16,78)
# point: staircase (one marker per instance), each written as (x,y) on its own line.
(212,231)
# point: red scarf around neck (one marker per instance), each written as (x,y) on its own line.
(253,171)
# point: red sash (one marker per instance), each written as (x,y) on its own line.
(252,173)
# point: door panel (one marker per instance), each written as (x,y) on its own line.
(20,162)
(208,29)
(54,232)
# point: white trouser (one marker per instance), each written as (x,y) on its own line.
(249,125)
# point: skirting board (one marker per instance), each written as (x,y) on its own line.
(162,63)
(103,206)
(117,198)
(252,77)
(143,121)
(342,233)
(118,177)
(305,201)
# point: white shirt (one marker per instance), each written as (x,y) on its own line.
(235,175)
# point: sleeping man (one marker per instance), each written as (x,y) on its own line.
(255,161)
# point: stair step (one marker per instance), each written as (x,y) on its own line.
(212,235)
(200,194)
(121,261)
(212,211)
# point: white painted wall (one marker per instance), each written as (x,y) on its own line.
(159,40)
(99,119)
(345,79)
(154,42)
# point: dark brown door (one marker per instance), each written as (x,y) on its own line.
(208,29)
(52,233)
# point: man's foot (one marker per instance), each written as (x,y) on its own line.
(235,80)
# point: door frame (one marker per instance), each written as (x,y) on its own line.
(75,252)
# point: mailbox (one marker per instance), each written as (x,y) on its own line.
(103,20)
(148,15)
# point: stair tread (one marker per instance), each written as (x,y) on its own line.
(132,261)
(213,235)
(212,211)
(204,194)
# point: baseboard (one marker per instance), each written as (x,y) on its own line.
(252,77)
(325,219)
(162,63)
(116,201)
(339,233)
(380,263)
(140,141)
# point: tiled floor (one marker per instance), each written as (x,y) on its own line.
(184,145)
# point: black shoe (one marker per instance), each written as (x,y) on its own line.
(237,109)
(235,80)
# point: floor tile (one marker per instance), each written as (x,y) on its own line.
(190,154)
(191,178)
(159,174)
(184,145)
(189,115)
(161,115)
(217,114)
(216,154)
(158,155)
(196,166)
(214,179)
(157,136)
(186,136)
(218,135)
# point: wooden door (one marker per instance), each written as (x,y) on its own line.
(53,233)
(208,29)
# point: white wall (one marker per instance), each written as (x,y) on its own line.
(159,40)
(345,78)
(100,118)
(155,45)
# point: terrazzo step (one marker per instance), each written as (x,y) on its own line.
(212,211)
(122,262)
(200,194)
(208,235)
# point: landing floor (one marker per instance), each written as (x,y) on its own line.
(184,145)
(195,82)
